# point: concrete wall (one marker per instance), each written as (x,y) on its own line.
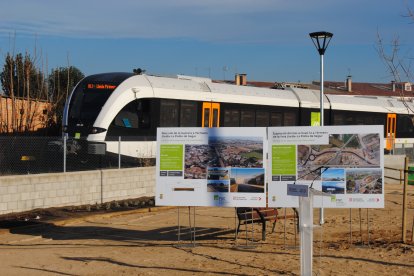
(27,192)
(394,162)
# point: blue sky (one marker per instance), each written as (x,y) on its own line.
(266,39)
(333,173)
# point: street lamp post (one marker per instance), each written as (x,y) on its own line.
(321,41)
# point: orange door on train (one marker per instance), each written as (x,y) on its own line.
(391,128)
(211,115)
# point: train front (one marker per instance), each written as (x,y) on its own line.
(82,109)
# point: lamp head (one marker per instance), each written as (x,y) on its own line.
(321,40)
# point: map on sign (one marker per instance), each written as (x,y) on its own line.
(343,150)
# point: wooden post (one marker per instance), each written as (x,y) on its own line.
(404,214)
(412,231)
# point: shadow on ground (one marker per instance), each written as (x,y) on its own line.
(55,232)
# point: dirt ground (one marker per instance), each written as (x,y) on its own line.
(143,242)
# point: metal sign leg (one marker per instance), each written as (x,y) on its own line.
(368,227)
(191,227)
(284,230)
(350,227)
(179,233)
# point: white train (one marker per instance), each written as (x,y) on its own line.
(104,107)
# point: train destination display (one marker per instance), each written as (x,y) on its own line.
(211,167)
(343,161)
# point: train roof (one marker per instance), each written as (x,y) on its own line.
(114,77)
(367,103)
(222,92)
(291,96)
(205,89)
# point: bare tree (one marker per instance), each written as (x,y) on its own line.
(23,82)
(61,81)
(398,64)
(32,99)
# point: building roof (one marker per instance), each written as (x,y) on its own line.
(369,89)
(404,89)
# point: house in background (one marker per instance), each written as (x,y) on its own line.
(22,115)
(347,87)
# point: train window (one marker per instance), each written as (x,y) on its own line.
(231,118)
(215,117)
(169,113)
(144,113)
(359,120)
(290,119)
(262,118)
(188,114)
(206,115)
(405,124)
(349,119)
(127,117)
(276,119)
(136,114)
(247,118)
(369,120)
(226,121)
(378,121)
(338,119)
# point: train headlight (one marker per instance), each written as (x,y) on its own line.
(96,130)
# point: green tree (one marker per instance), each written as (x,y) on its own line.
(61,81)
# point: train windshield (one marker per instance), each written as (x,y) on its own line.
(90,96)
(88,101)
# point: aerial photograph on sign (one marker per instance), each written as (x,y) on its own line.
(196,160)
(232,151)
(343,150)
(364,181)
(247,180)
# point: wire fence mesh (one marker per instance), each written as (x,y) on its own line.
(404,149)
(34,155)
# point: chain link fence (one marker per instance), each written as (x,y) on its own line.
(406,149)
(34,155)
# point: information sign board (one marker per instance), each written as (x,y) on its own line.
(343,161)
(211,167)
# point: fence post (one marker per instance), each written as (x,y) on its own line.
(119,152)
(64,153)
(412,231)
(404,214)
(102,187)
